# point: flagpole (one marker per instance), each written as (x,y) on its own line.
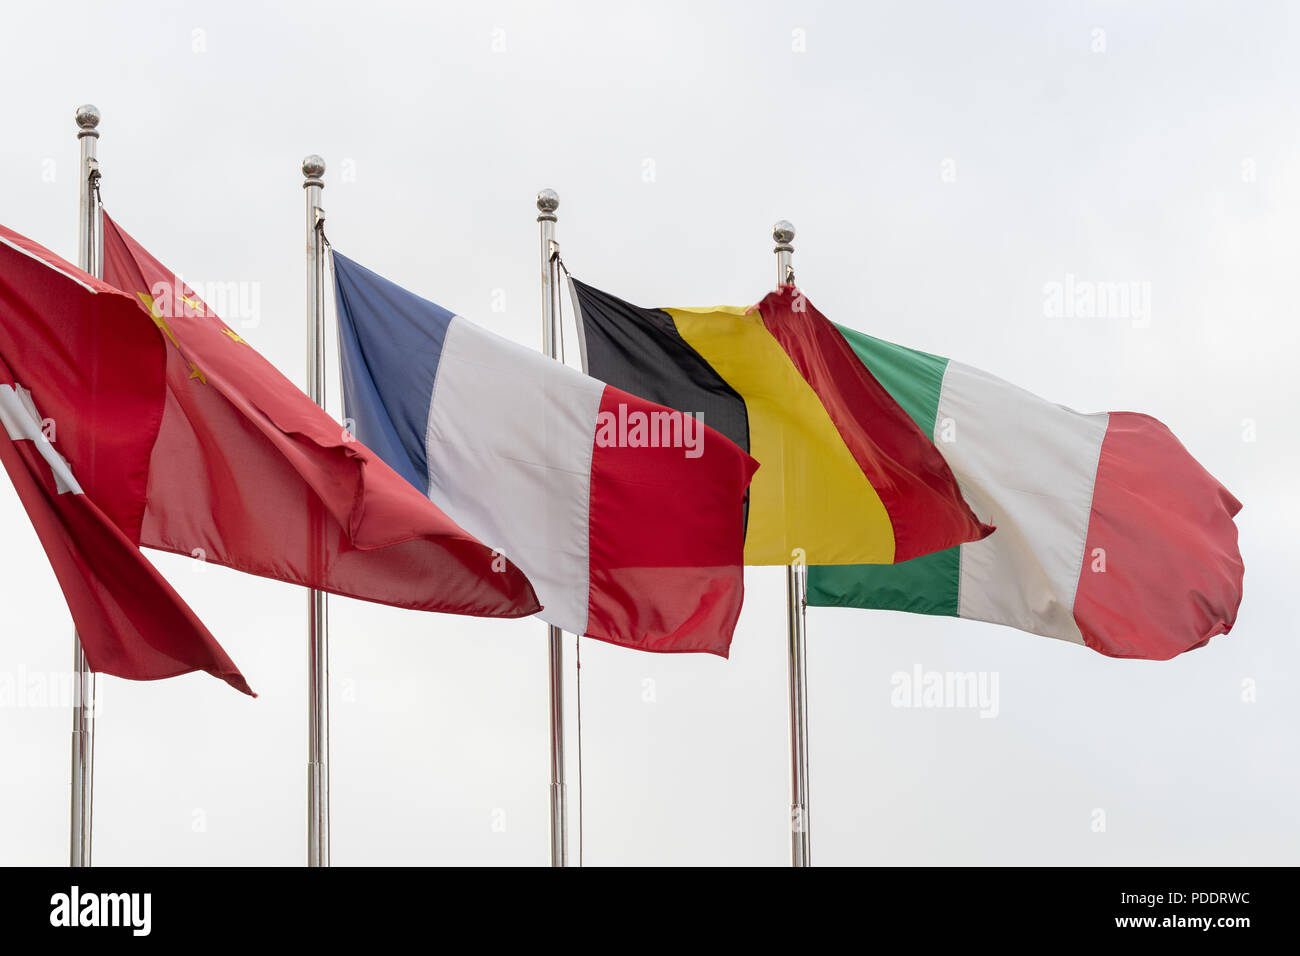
(796,593)
(83,693)
(547,202)
(318,668)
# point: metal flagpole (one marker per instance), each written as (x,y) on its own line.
(83,693)
(547,202)
(318,666)
(796,592)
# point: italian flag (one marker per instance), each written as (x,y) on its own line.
(1109,533)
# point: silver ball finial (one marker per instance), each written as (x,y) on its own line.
(313,169)
(87,119)
(548,200)
(783,232)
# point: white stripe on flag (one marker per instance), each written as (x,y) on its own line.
(1029,469)
(509,442)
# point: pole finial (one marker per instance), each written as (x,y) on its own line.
(313,171)
(548,200)
(87,119)
(783,235)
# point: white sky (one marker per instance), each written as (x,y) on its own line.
(1171,158)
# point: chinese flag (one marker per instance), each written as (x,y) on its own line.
(248,472)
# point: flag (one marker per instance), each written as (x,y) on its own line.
(846,477)
(626,516)
(248,472)
(1109,533)
(81,394)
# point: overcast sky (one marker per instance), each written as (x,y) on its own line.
(942,163)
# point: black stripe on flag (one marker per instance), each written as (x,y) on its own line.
(640,351)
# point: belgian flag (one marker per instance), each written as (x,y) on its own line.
(846,475)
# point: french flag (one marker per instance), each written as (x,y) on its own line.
(626,516)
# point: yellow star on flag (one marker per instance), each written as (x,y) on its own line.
(161,322)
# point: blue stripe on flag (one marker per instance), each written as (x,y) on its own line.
(390,343)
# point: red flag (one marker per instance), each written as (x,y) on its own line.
(248,472)
(115,438)
(76,431)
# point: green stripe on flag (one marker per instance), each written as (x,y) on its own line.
(913,378)
(924,585)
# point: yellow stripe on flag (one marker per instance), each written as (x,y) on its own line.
(809,492)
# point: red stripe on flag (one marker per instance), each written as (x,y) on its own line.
(666,535)
(1162,572)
